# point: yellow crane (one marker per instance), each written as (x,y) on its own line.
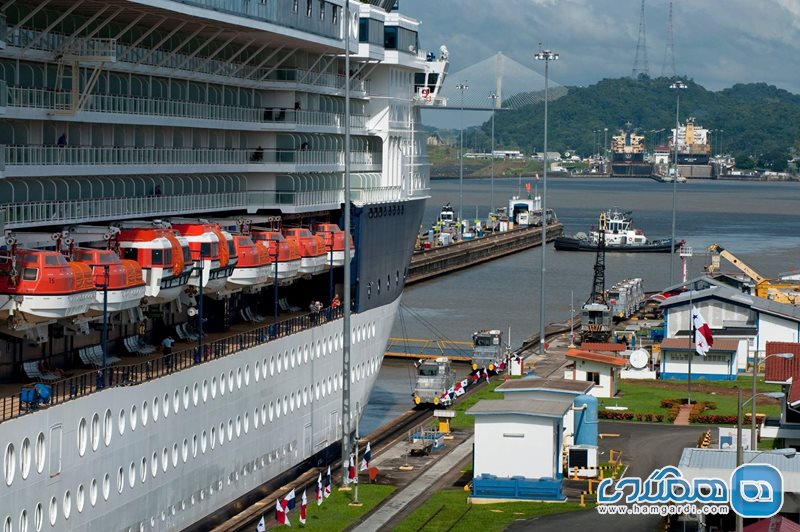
(777,290)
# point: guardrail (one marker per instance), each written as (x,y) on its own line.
(71,388)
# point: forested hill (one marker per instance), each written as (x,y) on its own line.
(756,119)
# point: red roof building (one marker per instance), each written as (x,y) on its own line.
(600,368)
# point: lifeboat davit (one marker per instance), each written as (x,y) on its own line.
(126,286)
(283,255)
(253,265)
(314,258)
(42,284)
(212,250)
(333,238)
(163,257)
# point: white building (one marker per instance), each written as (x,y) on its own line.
(518,449)
(548,390)
(722,361)
(602,370)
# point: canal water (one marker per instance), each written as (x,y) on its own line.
(759,222)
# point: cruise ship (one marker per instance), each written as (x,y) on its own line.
(174,168)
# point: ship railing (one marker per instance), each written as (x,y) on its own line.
(151,155)
(86,384)
(47,99)
(165,58)
(3,94)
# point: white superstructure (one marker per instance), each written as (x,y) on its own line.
(126,125)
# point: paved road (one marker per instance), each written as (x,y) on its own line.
(644,448)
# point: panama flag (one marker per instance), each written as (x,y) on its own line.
(367,458)
(476,376)
(351,470)
(459,389)
(303,504)
(288,501)
(319,490)
(280,513)
(485,374)
(261,526)
(328,483)
(702,333)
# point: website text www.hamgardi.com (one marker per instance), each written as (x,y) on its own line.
(663,509)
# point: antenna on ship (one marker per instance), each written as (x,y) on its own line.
(640,60)
(668,66)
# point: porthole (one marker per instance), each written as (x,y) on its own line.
(264,368)
(277,409)
(195,394)
(121,422)
(174,455)
(145,413)
(205,390)
(95,431)
(132,474)
(53,511)
(106,486)
(246,376)
(213,438)
(164,460)
(379,286)
(10,464)
(108,428)
(82,436)
(221,433)
(230,429)
(230,381)
(133,417)
(264,414)
(246,422)
(23,521)
(40,452)
(238,426)
(222,385)
(165,404)
(154,464)
(37,517)
(291,402)
(305,354)
(316,386)
(80,498)
(286,361)
(194,446)
(256,372)
(285,405)
(330,385)
(143,469)
(203,440)
(294,354)
(319,348)
(305,396)
(176,403)
(352,375)
(213,388)
(93,492)
(272,366)
(156,411)
(25,458)
(120,480)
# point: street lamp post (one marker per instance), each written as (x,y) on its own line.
(739,448)
(462,87)
(678,86)
(605,146)
(493,96)
(545,55)
(785,356)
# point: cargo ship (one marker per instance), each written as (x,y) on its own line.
(694,151)
(172,196)
(627,155)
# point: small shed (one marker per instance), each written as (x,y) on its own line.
(600,368)
(720,363)
(518,449)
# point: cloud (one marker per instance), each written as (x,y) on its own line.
(718,43)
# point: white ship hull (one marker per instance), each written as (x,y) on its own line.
(148,460)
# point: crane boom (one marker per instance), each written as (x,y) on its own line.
(744,268)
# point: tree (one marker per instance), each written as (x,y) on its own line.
(745,162)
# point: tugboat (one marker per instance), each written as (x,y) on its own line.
(619,236)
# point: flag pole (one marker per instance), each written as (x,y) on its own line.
(691,348)
(356,502)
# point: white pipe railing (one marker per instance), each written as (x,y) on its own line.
(47,99)
(151,155)
(55,42)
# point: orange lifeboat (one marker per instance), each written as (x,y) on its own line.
(211,250)
(333,237)
(312,250)
(42,284)
(253,266)
(283,255)
(163,257)
(126,286)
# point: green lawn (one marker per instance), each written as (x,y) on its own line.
(646,396)
(335,512)
(453,513)
(462,405)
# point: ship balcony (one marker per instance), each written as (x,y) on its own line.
(3,32)
(23,161)
(261,118)
(167,63)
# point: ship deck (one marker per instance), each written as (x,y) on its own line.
(131,370)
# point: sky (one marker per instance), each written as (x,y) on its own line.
(718,43)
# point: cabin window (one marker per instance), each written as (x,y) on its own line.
(187,256)
(593,376)
(295,6)
(29,274)
(168,256)
(322,10)
(428,370)
(231,248)
(130,253)
(158,256)
(105,258)
(52,260)
(206,250)
(335,15)
(309,4)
